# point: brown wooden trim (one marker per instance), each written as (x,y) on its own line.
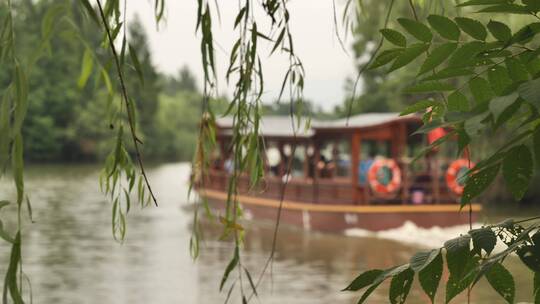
(291,205)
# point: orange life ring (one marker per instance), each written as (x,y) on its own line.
(374,172)
(453,174)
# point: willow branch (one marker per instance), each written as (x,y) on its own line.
(131,120)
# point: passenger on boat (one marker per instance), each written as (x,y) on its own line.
(364,166)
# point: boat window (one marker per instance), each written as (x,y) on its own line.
(343,158)
(298,161)
(371,148)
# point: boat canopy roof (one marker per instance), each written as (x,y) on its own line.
(284,126)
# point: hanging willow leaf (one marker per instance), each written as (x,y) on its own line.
(86,68)
(136,63)
(232,264)
(21,97)
(11,285)
(517,170)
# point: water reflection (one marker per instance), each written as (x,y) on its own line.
(70,256)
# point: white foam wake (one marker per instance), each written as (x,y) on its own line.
(409,233)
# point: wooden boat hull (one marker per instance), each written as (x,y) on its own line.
(340,217)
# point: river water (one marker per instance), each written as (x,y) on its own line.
(71,257)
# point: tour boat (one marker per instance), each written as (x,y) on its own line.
(344,174)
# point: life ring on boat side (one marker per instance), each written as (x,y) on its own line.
(379,171)
(454,172)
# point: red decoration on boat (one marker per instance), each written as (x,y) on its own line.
(435,134)
(376,173)
(454,172)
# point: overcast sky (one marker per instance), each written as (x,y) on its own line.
(327,65)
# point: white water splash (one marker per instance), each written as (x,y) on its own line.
(409,233)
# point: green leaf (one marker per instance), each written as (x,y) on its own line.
(416,29)
(232,264)
(368,292)
(11,283)
(478,182)
(481,90)
(53,14)
(18,167)
(536,287)
(499,30)
(444,26)
(517,170)
(21,100)
(429,86)
(472,27)
(530,256)
(91,12)
(418,106)
(498,105)
(385,57)
(400,286)
(500,80)
(86,68)
(422,259)
(530,91)
(508,8)
(408,55)
(363,280)
(502,281)
(483,238)
(449,73)
(394,37)
(466,54)
(136,63)
(457,254)
(516,70)
(430,276)
(456,285)
(474,125)
(481,2)
(536,146)
(458,102)
(438,56)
